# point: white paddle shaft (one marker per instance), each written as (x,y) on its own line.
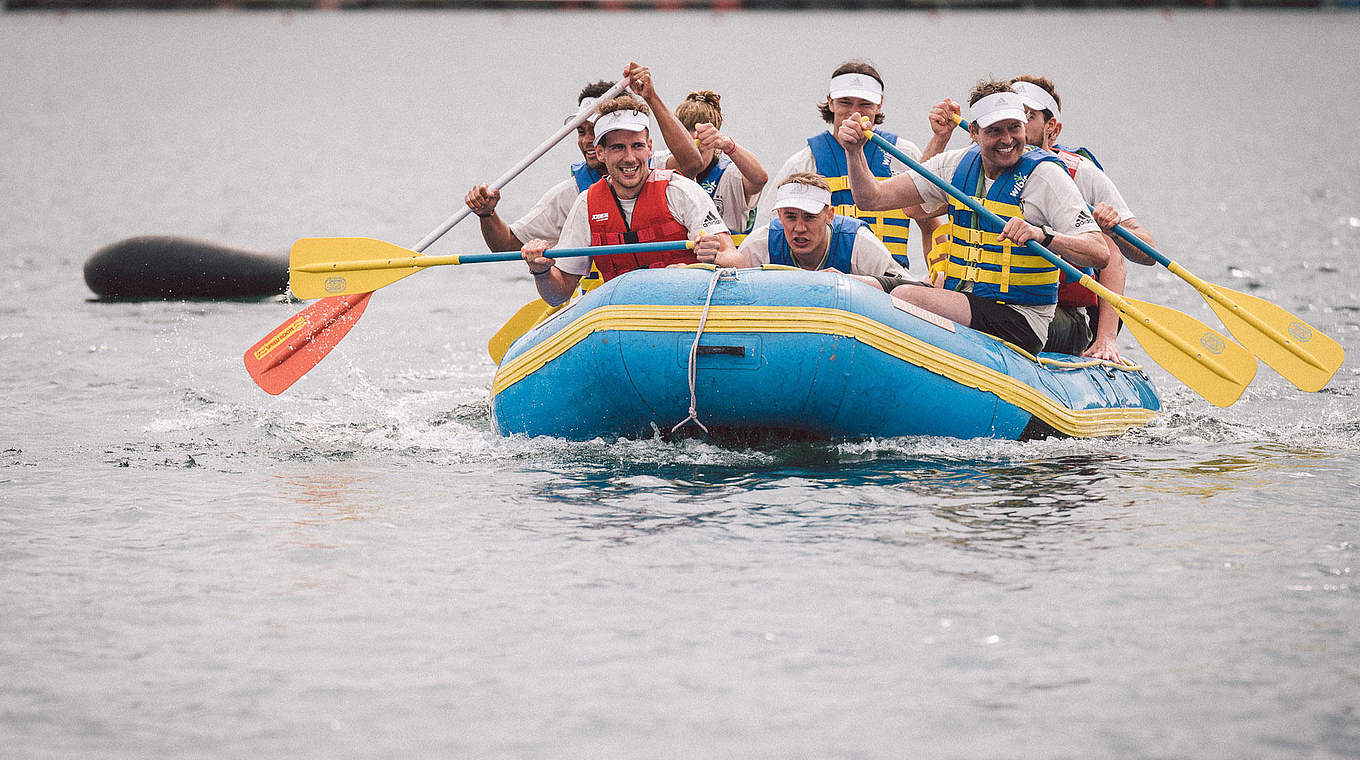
(524,163)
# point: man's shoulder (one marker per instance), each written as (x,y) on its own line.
(563,191)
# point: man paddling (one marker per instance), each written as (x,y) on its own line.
(1082,324)
(632,203)
(545,219)
(807,233)
(857,87)
(992,283)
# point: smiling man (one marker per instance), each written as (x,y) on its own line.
(1083,324)
(631,204)
(992,283)
(808,234)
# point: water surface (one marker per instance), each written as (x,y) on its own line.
(362,568)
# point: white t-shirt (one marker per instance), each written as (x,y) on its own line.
(688,202)
(545,219)
(1049,197)
(1096,188)
(868,256)
(734,206)
(802,161)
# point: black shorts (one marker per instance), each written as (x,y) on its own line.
(1069,332)
(998,319)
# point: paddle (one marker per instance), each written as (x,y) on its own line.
(522,321)
(1295,349)
(298,363)
(285,355)
(1212,366)
(1301,353)
(339,266)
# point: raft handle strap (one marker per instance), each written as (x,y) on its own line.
(718,273)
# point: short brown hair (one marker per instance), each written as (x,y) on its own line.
(1045,83)
(622,103)
(807,178)
(986,87)
(699,107)
(852,67)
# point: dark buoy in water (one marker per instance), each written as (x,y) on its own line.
(152,267)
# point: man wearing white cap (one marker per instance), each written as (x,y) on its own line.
(992,283)
(856,87)
(1072,331)
(806,233)
(545,219)
(632,204)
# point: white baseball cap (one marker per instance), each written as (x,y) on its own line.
(855,86)
(1036,97)
(998,106)
(809,198)
(623,119)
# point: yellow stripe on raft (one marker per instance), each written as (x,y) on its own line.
(1086,423)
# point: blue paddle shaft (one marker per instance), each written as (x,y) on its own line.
(1072,272)
(567,253)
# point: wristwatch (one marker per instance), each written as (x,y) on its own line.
(1048,235)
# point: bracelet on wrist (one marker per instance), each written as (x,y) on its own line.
(540,274)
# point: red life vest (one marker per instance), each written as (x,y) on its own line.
(652,222)
(1071,293)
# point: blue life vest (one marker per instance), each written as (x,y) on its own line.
(1083,152)
(585,176)
(998,269)
(840,249)
(892,227)
(709,182)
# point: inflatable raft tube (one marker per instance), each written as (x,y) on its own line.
(792,354)
(153,267)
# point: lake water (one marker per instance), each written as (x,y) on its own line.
(362,568)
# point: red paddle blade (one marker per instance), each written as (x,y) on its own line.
(292,349)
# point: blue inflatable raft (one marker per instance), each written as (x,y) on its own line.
(784,352)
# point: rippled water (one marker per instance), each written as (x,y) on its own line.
(361,568)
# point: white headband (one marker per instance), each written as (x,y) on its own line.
(1036,97)
(809,198)
(855,86)
(998,106)
(631,121)
(586,102)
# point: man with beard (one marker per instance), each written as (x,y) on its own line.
(991,282)
(1082,324)
(633,203)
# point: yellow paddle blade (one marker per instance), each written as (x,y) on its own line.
(1295,349)
(1209,364)
(334,280)
(521,322)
